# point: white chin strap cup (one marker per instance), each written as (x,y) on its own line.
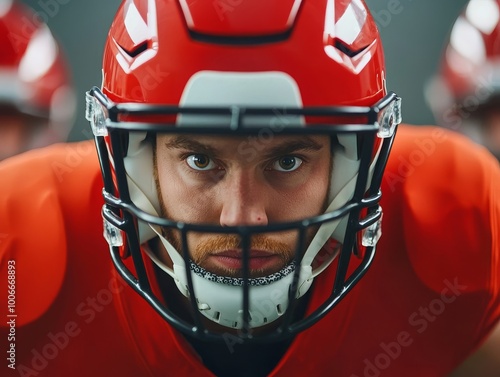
(223,303)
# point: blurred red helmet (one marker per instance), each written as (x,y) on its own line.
(34,79)
(467,86)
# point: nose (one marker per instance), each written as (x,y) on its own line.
(243,202)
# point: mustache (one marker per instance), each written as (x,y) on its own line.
(216,244)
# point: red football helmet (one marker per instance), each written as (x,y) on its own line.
(36,98)
(465,95)
(305,67)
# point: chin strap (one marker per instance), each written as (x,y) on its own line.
(172,252)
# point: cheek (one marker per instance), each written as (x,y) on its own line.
(316,190)
(306,200)
(183,200)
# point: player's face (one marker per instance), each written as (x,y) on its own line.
(232,181)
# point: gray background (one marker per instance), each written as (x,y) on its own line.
(413,32)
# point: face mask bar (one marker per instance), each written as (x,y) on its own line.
(121,215)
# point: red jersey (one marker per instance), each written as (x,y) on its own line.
(428,301)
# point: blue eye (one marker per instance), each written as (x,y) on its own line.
(200,162)
(287,163)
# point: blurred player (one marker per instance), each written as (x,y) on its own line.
(465,94)
(36,98)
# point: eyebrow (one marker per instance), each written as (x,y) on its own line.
(290,147)
(183,142)
(286,148)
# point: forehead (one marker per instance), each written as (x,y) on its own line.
(239,145)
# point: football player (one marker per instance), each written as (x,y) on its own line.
(465,94)
(242,152)
(36,96)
